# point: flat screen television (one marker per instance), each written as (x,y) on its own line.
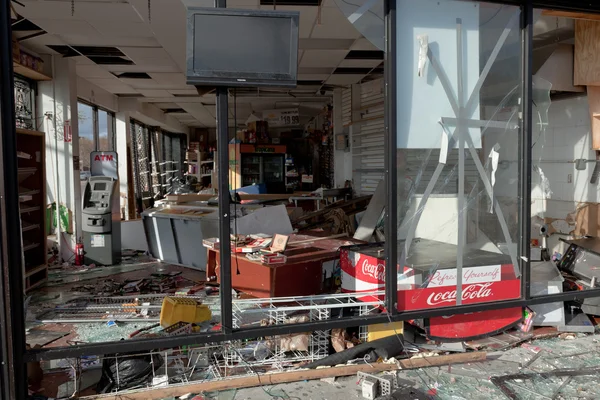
(234,48)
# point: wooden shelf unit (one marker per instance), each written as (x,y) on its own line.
(32,183)
(29,73)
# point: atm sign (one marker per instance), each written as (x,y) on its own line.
(104,157)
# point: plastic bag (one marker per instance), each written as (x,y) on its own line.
(126,371)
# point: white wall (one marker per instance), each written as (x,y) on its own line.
(57,102)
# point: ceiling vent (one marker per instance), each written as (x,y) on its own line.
(174,111)
(131,95)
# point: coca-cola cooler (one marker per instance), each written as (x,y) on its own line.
(428,280)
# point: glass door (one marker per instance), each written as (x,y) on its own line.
(251,169)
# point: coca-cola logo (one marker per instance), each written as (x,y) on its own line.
(476,291)
(376,271)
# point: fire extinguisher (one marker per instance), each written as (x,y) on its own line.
(79,253)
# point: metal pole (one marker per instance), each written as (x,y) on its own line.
(13,375)
(224,206)
(391,169)
(525,149)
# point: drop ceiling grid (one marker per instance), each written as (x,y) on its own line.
(323,58)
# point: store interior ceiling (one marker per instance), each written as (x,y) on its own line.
(136,49)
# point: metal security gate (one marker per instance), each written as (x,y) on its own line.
(368,148)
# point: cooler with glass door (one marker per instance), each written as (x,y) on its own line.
(257,164)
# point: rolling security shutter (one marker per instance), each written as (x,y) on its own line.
(368,148)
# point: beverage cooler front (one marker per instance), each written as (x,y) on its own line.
(254,165)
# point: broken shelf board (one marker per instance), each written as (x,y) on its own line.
(293,376)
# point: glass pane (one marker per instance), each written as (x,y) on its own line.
(86,138)
(105,131)
(565,250)
(458,108)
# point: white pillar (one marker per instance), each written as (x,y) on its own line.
(123,144)
(58,105)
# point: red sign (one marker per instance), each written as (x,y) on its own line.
(474,325)
(68,133)
(445,296)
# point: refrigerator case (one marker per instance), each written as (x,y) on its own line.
(264,168)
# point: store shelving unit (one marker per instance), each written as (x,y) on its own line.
(200,167)
(32,198)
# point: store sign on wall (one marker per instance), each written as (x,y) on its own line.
(281,118)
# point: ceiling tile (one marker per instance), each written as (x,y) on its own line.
(83,61)
(363,44)
(325,44)
(322,58)
(141,68)
(359,63)
(113,29)
(166,105)
(155,93)
(99,40)
(334,25)
(144,52)
(44,9)
(174,79)
(313,77)
(67,26)
(343,79)
(113,11)
(184,91)
(112,85)
(92,71)
(308,16)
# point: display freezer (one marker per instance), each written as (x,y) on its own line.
(175,234)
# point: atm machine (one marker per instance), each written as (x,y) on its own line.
(101,214)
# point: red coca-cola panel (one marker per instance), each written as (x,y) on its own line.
(445,296)
(474,325)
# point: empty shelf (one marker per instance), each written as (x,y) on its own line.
(35,269)
(23,191)
(25,197)
(28,226)
(25,173)
(29,246)
(21,154)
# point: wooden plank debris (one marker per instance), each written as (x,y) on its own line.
(292,376)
